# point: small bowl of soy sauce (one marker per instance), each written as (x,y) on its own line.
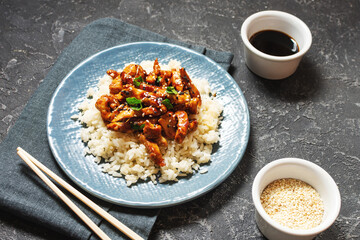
(274,43)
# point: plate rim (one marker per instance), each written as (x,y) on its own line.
(154,204)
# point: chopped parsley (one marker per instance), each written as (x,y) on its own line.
(157,81)
(137,81)
(171,90)
(134,103)
(137,126)
(167,104)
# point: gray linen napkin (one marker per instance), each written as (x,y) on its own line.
(21,191)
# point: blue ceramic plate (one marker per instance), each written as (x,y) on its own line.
(68,149)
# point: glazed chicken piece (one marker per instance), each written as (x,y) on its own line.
(112,73)
(193,105)
(165,74)
(152,132)
(141,120)
(156,68)
(159,77)
(176,80)
(158,91)
(116,84)
(106,104)
(194,92)
(177,125)
(183,101)
(150,112)
(148,98)
(119,126)
(123,113)
(152,77)
(131,72)
(182,126)
(153,149)
(168,123)
(192,125)
(155,106)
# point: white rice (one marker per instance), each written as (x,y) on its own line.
(123,155)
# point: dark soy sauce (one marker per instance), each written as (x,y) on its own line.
(274,43)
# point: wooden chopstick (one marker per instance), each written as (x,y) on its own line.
(63,197)
(35,164)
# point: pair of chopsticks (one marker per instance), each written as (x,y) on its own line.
(39,168)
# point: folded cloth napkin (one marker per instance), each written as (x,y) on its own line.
(22,192)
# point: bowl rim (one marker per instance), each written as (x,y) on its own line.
(308,232)
(274,13)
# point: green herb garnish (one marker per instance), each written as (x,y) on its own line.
(171,90)
(167,104)
(157,81)
(137,81)
(138,127)
(134,103)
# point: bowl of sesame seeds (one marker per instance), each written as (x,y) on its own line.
(294,199)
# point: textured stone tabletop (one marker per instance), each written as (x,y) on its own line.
(314,114)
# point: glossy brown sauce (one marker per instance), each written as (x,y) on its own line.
(274,43)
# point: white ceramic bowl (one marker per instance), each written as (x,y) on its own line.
(269,66)
(305,171)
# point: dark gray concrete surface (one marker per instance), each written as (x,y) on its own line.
(314,114)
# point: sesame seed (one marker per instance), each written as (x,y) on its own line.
(293,203)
